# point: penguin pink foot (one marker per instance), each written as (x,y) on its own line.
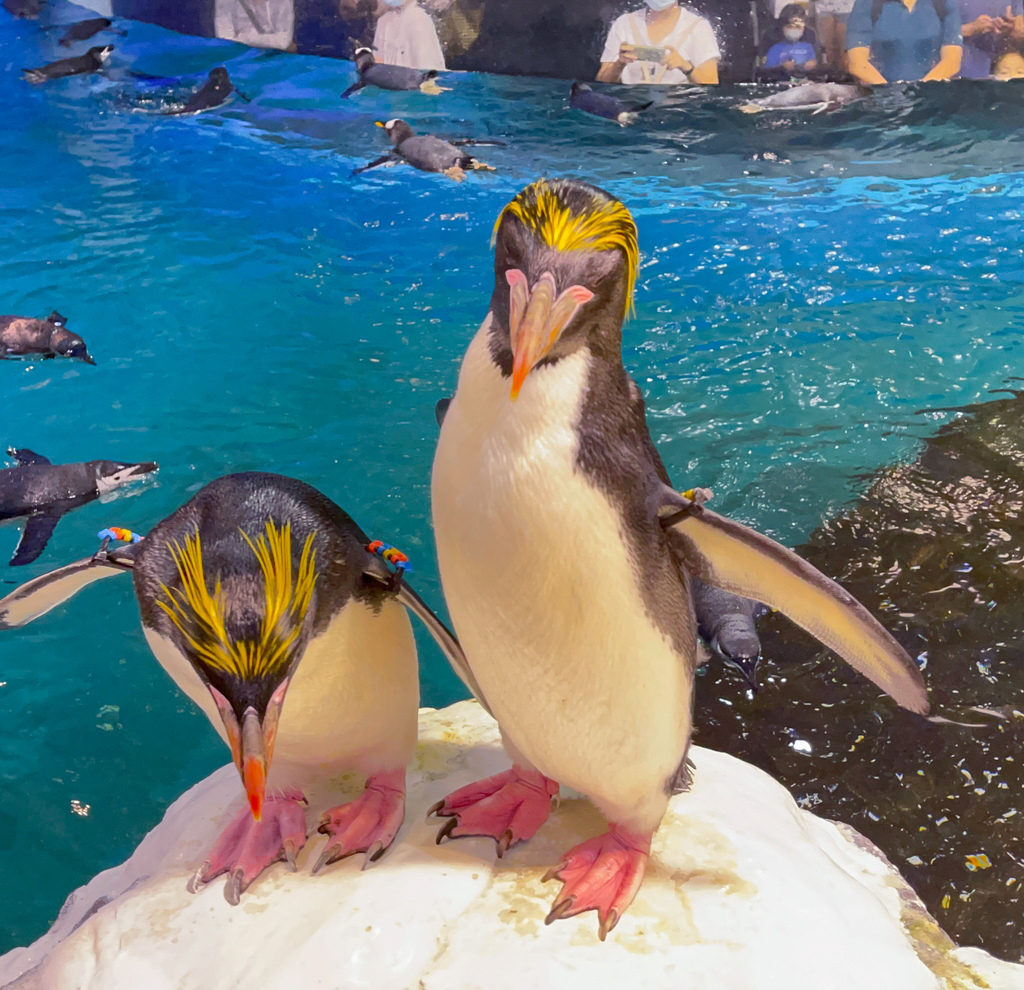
(247,847)
(509,807)
(367,824)
(602,874)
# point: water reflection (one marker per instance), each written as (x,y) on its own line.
(936,549)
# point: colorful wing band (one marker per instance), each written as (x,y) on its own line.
(391,554)
(118,533)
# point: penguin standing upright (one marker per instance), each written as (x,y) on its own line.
(566,557)
(261,599)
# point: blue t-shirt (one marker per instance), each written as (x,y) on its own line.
(904,43)
(978,51)
(790,51)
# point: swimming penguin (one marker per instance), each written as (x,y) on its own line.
(21,335)
(728,624)
(44,492)
(582,97)
(27,9)
(77,65)
(815,96)
(214,93)
(566,556)
(273,612)
(380,74)
(427,153)
(83,30)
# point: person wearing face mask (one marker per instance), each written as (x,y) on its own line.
(661,43)
(788,46)
(406,35)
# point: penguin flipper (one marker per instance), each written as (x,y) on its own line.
(732,556)
(385,161)
(25,456)
(38,596)
(444,638)
(39,528)
(354,88)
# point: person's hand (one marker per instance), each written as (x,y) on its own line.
(626,54)
(673,60)
(1004,23)
(980,25)
(789,65)
(810,64)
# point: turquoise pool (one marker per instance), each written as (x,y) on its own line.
(809,288)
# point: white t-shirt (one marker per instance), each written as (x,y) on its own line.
(693,37)
(407,36)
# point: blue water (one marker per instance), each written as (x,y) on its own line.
(810,287)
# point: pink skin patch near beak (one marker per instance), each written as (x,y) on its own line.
(537,318)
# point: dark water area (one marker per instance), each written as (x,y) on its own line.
(935,548)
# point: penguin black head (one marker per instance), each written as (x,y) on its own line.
(245,638)
(69,344)
(219,78)
(578,87)
(397,130)
(364,59)
(565,262)
(56,319)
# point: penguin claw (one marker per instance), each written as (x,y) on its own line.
(198,879)
(552,874)
(560,909)
(607,923)
(373,854)
(506,840)
(435,808)
(445,831)
(234,887)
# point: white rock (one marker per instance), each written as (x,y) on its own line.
(745,892)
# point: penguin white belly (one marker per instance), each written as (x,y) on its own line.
(545,598)
(352,702)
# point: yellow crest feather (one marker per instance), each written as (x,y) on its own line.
(199,614)
(603,224)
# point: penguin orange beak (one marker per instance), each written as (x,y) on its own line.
(252,743)
(537,318)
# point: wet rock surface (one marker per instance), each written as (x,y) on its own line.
(934,548)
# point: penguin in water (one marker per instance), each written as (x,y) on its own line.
(77,65)
(427,153)
(23,335)
(384,76)
(264,602)
(818,97)
(215,92)
(27,9)
(582,97)
(84,30)
(583,639)
(42,492)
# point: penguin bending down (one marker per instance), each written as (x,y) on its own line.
(261,599)
(21,335)
(78,65)
(584,640)
(43,492)
(426,152)
(215,92)
(384,76)
(582,97)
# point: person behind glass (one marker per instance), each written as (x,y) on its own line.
(831,18)
(787,46)
(903,40)
(991,29)
(684,43)
(406,35)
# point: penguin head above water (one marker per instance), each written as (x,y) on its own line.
(68,344)
(397,130)
(565,263)
(114,474)
(246,637)
(100,53)
(219,78)
(364,58)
